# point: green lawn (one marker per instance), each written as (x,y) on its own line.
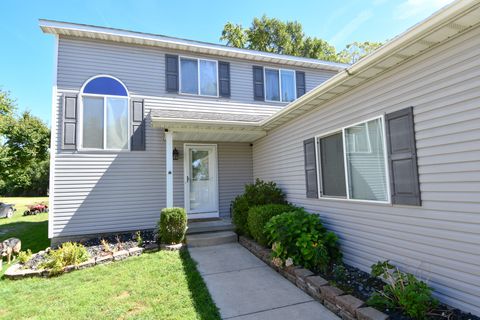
(161,285)
(31,230)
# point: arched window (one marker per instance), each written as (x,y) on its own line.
(104,114)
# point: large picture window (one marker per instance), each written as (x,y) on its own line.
(353,162)
(104,115)
(198,76)
(280,85)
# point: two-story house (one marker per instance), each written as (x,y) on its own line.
(386,151)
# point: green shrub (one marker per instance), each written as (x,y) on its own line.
(301,237)
(259,193)
(403,291)
(70,253)
(24,256)
(172,225)
(258,216)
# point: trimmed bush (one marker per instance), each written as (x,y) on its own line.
(172,225)
(259,193)
(258,216)
(69,253)
(301,237)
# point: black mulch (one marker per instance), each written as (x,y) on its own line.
(362,285)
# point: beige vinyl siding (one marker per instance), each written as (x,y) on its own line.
(439,241)
(142,69)
(234,172)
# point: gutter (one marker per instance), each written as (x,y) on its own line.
(411,35)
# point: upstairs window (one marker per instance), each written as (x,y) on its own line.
(104,115)
(280,85)
(199,77)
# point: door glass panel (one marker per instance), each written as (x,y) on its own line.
(201,184)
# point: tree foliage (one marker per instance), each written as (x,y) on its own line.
(276,36)
(357,50)
(273,35)
(24,151)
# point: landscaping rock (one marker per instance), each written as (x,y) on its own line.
(120,255)
(313,286)
(69,268)
(151,247)
(370,313)
(136,251)
(171,247)
(349,303)
(300,275)
(104,259)
(289,273)
(87,264)
(345,315)
(329,293)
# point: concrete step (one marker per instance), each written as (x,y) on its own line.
(195,227)
(211,238)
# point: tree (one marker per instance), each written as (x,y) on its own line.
(24,151)
(357,50)
(272,35)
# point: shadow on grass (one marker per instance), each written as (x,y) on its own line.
(34,235)
(203,302)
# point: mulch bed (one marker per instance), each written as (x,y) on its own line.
(362,285)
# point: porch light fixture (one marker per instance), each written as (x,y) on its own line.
(175,154)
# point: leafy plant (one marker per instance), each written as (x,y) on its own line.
(105,245)
(70,253)
(302,237)
(258,216)
(172,225)
(138,238)
(403,291)
(24,256)
(255,194)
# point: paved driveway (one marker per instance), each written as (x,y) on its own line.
(243,287)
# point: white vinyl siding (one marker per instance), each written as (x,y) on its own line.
(438,241)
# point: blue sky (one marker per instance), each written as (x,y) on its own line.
(27,54)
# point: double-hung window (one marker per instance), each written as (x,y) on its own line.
(198,76)
(352,162)
(104,115)
(280,85)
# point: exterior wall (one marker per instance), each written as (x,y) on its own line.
(235,170)
(440,240)
(142,69)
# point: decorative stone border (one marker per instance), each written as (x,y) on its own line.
(16,272)
(344,305)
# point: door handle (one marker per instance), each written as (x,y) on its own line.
(188,179)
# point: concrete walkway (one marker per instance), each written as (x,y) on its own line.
(243,287)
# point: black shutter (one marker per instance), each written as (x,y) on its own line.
(310,168)
(69,138)
(300,79)
(224,78)
(137,142)
(402,157)
(258,91)
(171,73)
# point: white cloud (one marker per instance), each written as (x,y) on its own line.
(351,27)
(415,8)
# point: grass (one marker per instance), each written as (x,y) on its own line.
(31,230)
(161,285)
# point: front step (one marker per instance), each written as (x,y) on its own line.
(205,226)
(211,238)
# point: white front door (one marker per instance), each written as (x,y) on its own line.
(201,181)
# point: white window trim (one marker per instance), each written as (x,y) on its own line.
(104,96)
(198,77)
(279,84)
(385,156)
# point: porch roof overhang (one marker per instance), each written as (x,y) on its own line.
(209,126)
